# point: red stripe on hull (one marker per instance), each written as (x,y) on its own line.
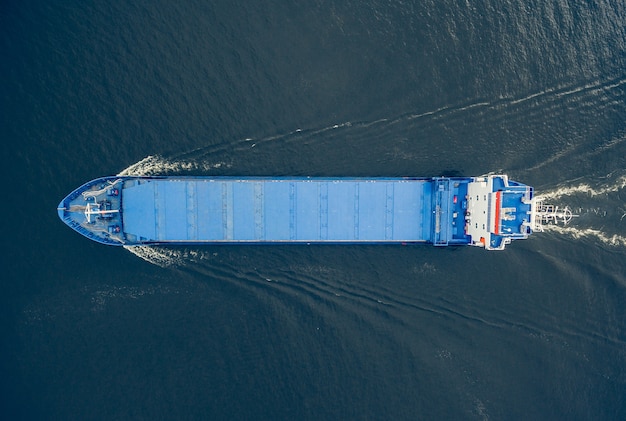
(497,227)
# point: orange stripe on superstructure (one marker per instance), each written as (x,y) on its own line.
(497,226)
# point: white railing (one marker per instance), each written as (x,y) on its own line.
(548,214)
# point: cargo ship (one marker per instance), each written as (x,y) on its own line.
(488,211)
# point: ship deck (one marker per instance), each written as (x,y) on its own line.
(277,210)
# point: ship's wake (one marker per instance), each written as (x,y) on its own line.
(586,188)
(170,256)
(599,207)
(596,234)
(159,165)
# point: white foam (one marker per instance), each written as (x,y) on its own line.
(619,184)
(590,88)
(427,113)
(531,96)
(157,255)
(166,257)
(577,233)
(157,165)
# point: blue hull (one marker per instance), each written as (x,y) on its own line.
(261,210)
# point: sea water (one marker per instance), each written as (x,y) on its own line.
(535,90)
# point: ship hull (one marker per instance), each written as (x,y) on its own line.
(161,210)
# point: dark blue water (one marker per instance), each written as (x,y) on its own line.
(536,90)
